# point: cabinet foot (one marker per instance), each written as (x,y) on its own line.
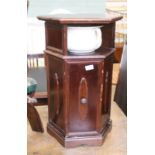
(80,140)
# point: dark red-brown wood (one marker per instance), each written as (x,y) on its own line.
(79,86)
(77,97)
(82,19)
(34,118)
(56,29)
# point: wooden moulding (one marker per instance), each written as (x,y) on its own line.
(81,140)
(96,54)
(81,18)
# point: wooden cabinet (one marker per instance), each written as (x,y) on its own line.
(79,86)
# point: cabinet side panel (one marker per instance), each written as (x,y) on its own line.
(53,35)
(56,104)
(108,35)
(107,84)
(48,84)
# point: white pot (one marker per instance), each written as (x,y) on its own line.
(82,40)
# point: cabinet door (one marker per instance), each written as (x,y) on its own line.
(85,79)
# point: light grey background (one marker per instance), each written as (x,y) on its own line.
(44,7)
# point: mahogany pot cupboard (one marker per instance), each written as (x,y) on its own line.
(79,86)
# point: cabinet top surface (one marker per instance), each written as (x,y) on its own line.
(81,18)
(103,53)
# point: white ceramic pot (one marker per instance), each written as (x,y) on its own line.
(81,40)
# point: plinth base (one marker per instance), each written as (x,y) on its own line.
(74,141)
